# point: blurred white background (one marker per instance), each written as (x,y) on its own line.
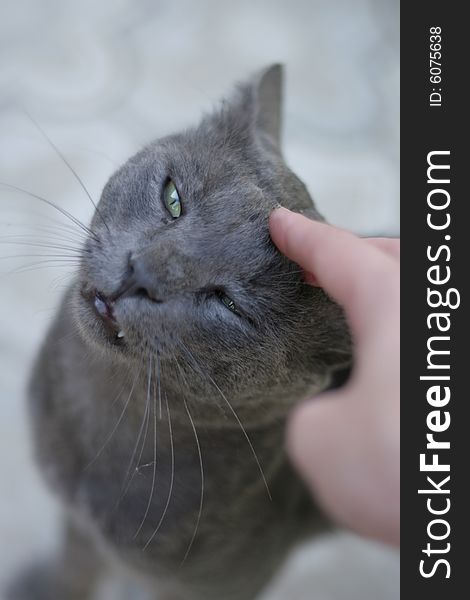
(103,78)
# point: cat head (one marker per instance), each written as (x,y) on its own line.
(180,269)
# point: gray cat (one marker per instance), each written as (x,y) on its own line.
(159,396)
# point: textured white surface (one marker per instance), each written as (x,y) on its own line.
(105,77)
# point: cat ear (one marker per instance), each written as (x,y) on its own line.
(267,99)
(254,109)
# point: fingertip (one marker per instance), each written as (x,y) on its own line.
(278,220)
(278,214)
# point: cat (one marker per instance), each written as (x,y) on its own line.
(159,396)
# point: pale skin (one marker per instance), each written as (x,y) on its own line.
(345,443)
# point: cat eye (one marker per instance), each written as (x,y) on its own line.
(171,199)
(228,302)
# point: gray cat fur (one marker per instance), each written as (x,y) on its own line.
(187,365)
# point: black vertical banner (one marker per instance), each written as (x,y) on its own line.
(435,301)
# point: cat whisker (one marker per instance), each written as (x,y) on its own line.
(196,527)
(50,243)
(232,410)
(170,491)
(154,473)
(19,242)
(66,162)
(121,391)
(201,468)
(64,212)
(121,416)
(60,282)
(140,468)
(62,262)
(58,230)
(42,264)
(130,476)
(38,234)
(159,387)
(73,258)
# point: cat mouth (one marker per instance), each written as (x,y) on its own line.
(104,309)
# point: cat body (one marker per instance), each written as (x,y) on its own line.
(160,394)
(242,535)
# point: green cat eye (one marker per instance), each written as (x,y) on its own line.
(172,200)
(228,302)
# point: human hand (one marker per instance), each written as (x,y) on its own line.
(345,442)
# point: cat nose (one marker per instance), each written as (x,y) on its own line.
(138,281)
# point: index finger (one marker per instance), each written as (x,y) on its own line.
(352,271)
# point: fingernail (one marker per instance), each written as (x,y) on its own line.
(280,212)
